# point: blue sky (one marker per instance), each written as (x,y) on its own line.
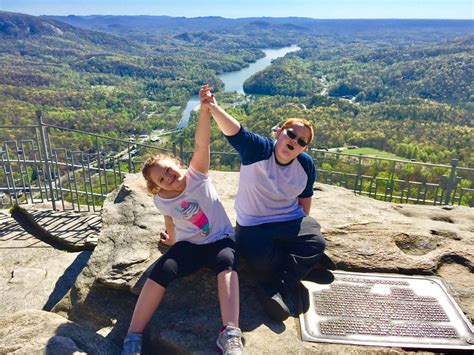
(323,9)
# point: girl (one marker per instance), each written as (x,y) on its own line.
(274,232)
(200,233)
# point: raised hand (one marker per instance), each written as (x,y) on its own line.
(227,124)
(205,93)
(206,97)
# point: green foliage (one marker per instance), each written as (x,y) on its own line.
(372,71)
(291,78)
(98,82)
(410,90)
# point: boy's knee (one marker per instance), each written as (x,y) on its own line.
(263,269)
(321,244)
(316,243)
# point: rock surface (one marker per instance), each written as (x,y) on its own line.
(34,277)
(35,332)
(362,235)
(32,273)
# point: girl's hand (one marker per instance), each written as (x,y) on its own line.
(205,93)
(165,238)
(206,97)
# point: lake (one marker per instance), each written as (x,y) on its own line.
(234,81)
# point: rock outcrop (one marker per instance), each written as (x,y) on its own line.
(362,235)
(35,332)
(34,277)
(32,273)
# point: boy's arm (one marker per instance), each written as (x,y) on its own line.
(305,199)
(169,236)
(227,124)
(201,156)
(305,202)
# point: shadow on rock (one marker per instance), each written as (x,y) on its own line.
(71,339)
(66,281)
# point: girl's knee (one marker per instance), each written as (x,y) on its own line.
(164,273)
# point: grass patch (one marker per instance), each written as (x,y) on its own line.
(372,152)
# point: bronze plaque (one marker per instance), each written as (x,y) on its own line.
(384,310)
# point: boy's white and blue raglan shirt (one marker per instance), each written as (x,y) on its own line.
(269,191)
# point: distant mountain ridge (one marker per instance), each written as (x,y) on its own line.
(14,26)
(211,23)
(22,26)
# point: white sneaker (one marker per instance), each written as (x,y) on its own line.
(229,341)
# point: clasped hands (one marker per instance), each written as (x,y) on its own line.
(206,97)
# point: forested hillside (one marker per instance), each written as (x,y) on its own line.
(400,86)
(101,82)
(373,72)
(415,100)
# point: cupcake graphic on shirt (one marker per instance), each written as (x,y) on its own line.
(192,212)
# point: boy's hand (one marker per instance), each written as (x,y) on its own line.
(206,97)
(205,93)
(165,238)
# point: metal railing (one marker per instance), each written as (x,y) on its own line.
(397,180)
(38,169)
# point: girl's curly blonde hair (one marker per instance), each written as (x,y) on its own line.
(146,170)
(299,121)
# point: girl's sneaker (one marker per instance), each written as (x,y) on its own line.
(229,341)
(132,344)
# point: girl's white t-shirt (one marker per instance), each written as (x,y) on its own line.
(197,212)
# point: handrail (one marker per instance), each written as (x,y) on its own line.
(86,178)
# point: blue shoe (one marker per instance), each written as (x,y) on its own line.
(325,263)
(132,344)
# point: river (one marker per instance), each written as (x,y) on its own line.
(234,81)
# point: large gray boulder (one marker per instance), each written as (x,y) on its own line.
(362,235)
(35,332)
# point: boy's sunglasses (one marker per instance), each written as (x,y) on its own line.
(292,135)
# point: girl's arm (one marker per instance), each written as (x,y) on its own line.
(168,237)
(227,124)
(201,156)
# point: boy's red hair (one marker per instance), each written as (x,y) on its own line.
(300,121)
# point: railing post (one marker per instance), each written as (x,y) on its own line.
(318,160)
(129,158)
(39,117)
(390,183)
(451,182)
(314,157)
(359,169)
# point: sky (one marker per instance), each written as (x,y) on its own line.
(320,9)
